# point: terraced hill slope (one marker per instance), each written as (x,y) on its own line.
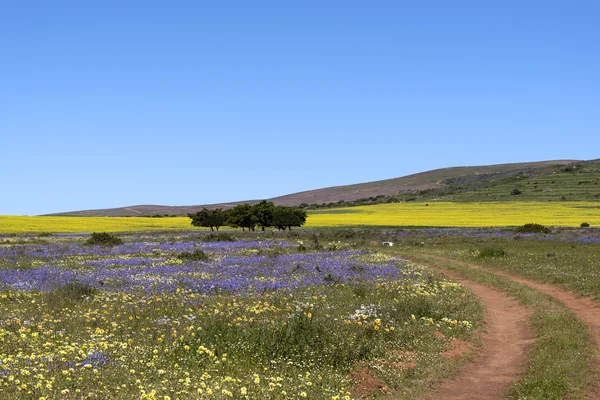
(577,181)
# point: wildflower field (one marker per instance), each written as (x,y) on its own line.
(442,214)
(169,316)
(27,224)
(439,214)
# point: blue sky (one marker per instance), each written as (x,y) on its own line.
(116,103)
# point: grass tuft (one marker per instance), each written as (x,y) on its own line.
(491,252)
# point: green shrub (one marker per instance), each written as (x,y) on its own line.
(103,239)
(533,228)
(585,225)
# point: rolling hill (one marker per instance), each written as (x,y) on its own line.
(543,180)
(575,181)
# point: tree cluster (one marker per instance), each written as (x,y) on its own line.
(246,216)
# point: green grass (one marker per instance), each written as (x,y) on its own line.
(488,252)
(575,266)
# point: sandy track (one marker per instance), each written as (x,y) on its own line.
(586,309)
(503,357)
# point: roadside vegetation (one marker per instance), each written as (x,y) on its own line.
(569,257)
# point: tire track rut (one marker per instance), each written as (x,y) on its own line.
(586,309)
(505,343)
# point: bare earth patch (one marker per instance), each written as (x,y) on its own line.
(366,383)
(458,349)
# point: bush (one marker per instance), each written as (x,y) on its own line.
(196,255)
(104,239)
(490,252)
(585,225)
(515,192)
(533,228)
(218,237)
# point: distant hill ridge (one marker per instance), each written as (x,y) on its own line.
(475,183)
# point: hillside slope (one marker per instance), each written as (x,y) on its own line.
(422,185)
(577,181)
(428,180)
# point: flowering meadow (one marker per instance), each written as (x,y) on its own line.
(439,214)
(446,214)
(173,317)
(24,224)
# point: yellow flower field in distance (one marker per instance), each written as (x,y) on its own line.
(25,224)
(459,214)
(397,214)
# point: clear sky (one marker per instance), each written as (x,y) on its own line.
(117,103)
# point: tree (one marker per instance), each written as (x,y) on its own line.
(286,217)
(299,218)
(263,212)
(210,218)
(242,216)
